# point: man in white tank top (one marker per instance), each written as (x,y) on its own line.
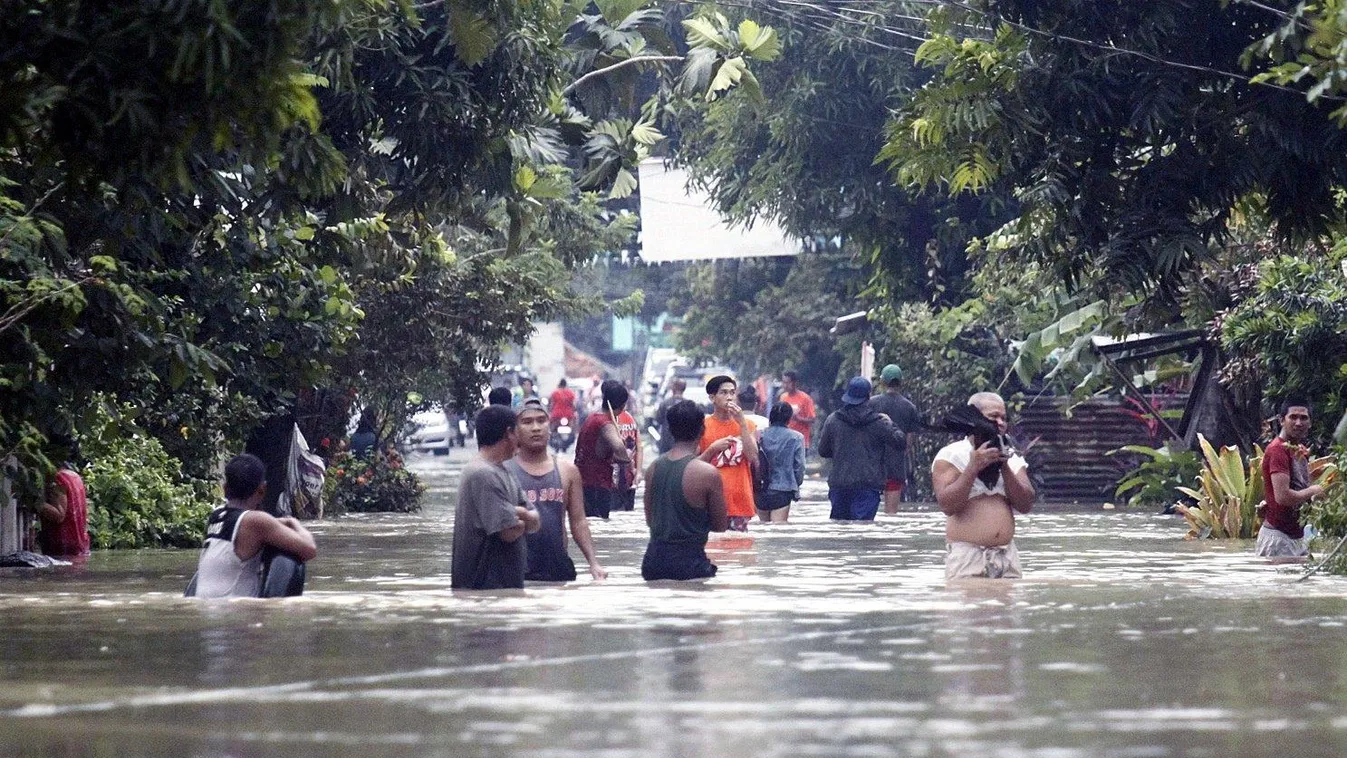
(231,558)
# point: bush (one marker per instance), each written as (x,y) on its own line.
(1228,495)
(138,496)
(1156,479)
(371,484)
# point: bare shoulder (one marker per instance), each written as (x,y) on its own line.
(567,468)
(702,471)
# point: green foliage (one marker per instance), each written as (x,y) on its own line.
(1289,335)
(378,483)
(138,494)
(1228,494)
(1327,515)
(1156,478)
(1309,48)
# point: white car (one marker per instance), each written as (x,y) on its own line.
(430,433)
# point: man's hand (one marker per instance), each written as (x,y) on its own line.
(530,518)
(719,446)
(986,455)
(289,522)
(735,411)
(598,572)
(1314,490)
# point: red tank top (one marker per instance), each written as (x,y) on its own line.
(602,472)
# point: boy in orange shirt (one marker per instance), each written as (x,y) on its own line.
(730,444)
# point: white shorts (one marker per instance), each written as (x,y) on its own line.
(964,560)
(1274,543)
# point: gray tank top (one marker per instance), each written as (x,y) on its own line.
(547,556)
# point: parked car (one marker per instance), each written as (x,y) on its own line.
(431,433)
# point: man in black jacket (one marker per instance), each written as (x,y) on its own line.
(861,435)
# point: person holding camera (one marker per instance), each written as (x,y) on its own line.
(980,482)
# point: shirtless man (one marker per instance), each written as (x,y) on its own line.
(551,485)
(980,530)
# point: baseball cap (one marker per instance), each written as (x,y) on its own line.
(858,391)
(891,374)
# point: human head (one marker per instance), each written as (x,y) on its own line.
(1295,420)
(614,395)
(498,396)
(534,426)
(993,407)
(748,399)
(496,426)
(790,381)
(686,421)
(677,387)
(562,383)
(891,376)
(858,391)
(245,478)
(526,384)
(722,391)
(366,424)
(781,414)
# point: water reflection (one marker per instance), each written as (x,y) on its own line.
(815,639)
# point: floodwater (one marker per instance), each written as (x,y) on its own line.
(817,639)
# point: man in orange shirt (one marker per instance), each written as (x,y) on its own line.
(802,420)
(729,443)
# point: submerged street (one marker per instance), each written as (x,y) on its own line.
(817,638)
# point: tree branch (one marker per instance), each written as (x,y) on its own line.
(609,69)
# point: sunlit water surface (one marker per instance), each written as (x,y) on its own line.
(815,639)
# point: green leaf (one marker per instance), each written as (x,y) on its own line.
(473,36)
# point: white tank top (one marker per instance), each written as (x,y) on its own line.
(220,572)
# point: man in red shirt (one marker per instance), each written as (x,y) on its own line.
(608,454)
(561,405)
(802,420)
(1286,486)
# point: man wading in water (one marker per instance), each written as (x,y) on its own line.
(552,486)
(491,515)
(683,503)
(980,530)
(1286,484)
(730,443)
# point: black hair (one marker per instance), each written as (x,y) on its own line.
(1294,402)
(686,421)
(781,414)
(614,395)
(713,385)
(678,384)
(523,379)
(499,396)
(243,475)
(562,383)
(493,423)
(791,375)
(748,397)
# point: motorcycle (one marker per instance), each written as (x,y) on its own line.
(563,435)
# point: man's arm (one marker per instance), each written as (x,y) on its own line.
(1289,498)
(807,413)
(647,498)
(1019,490)
(709,479)
(825,441)
(613,439)
(750,438)
(575,513)
(715,448)
(259,529)
(799,460)
(54,504)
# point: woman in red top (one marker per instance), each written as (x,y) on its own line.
(65,516)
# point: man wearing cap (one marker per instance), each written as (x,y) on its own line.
(856,437)
(903,414)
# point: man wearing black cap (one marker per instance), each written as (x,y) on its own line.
(862,434)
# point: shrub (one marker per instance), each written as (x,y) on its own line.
(1157,478)
(370,484)
(1228,494)
(138,496)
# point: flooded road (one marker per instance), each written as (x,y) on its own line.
(816,639)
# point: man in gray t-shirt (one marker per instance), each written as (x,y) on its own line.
(492,513)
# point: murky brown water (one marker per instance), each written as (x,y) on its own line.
(816,639)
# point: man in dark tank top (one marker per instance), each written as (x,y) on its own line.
(552,486)
(684,503)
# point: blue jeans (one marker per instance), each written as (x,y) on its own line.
(854,503)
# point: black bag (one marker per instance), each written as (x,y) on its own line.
(762,472)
